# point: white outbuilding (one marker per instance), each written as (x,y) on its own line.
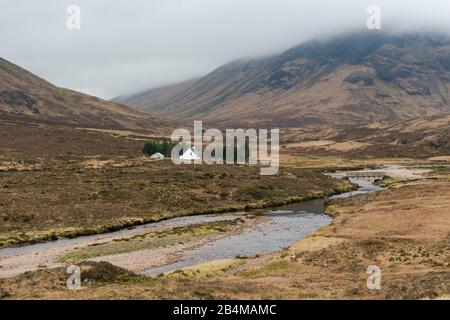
(157,156)
(190,155)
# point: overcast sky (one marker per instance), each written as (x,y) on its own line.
(125,46)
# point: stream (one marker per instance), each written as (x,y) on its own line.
(281,227)
(165,224)
(286,225)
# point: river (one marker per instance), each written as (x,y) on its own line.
(286,225)
(281,228)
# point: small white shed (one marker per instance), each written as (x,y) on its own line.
(157,156)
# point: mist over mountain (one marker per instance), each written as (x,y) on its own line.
(355,78)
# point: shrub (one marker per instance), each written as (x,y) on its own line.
(152,147)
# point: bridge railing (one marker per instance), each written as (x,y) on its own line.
(365,174)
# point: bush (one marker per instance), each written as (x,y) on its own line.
(4,294)
(255,192)
(152,147)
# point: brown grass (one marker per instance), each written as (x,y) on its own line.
(104,184)
(405,231)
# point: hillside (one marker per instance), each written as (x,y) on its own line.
(155,97)
(352,79)
(25,96)
(415,138)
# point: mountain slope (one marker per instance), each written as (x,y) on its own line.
(154,97)
(23,95)
(356,78)
(415,138)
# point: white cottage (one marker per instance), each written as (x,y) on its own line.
(190,155)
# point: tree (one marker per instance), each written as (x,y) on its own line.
(164,147)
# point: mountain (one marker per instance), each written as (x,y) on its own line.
(155,97)
(25,96)
(352,79)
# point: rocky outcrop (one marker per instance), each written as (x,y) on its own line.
(360,78)
(18,100)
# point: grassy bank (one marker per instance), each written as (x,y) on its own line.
(23,238)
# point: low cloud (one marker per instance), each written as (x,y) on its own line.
(127,46)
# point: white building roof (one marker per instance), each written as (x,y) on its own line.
(157,155)
(190,155)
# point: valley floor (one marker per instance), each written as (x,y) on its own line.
(67,182)
(96,182)
(404,230)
